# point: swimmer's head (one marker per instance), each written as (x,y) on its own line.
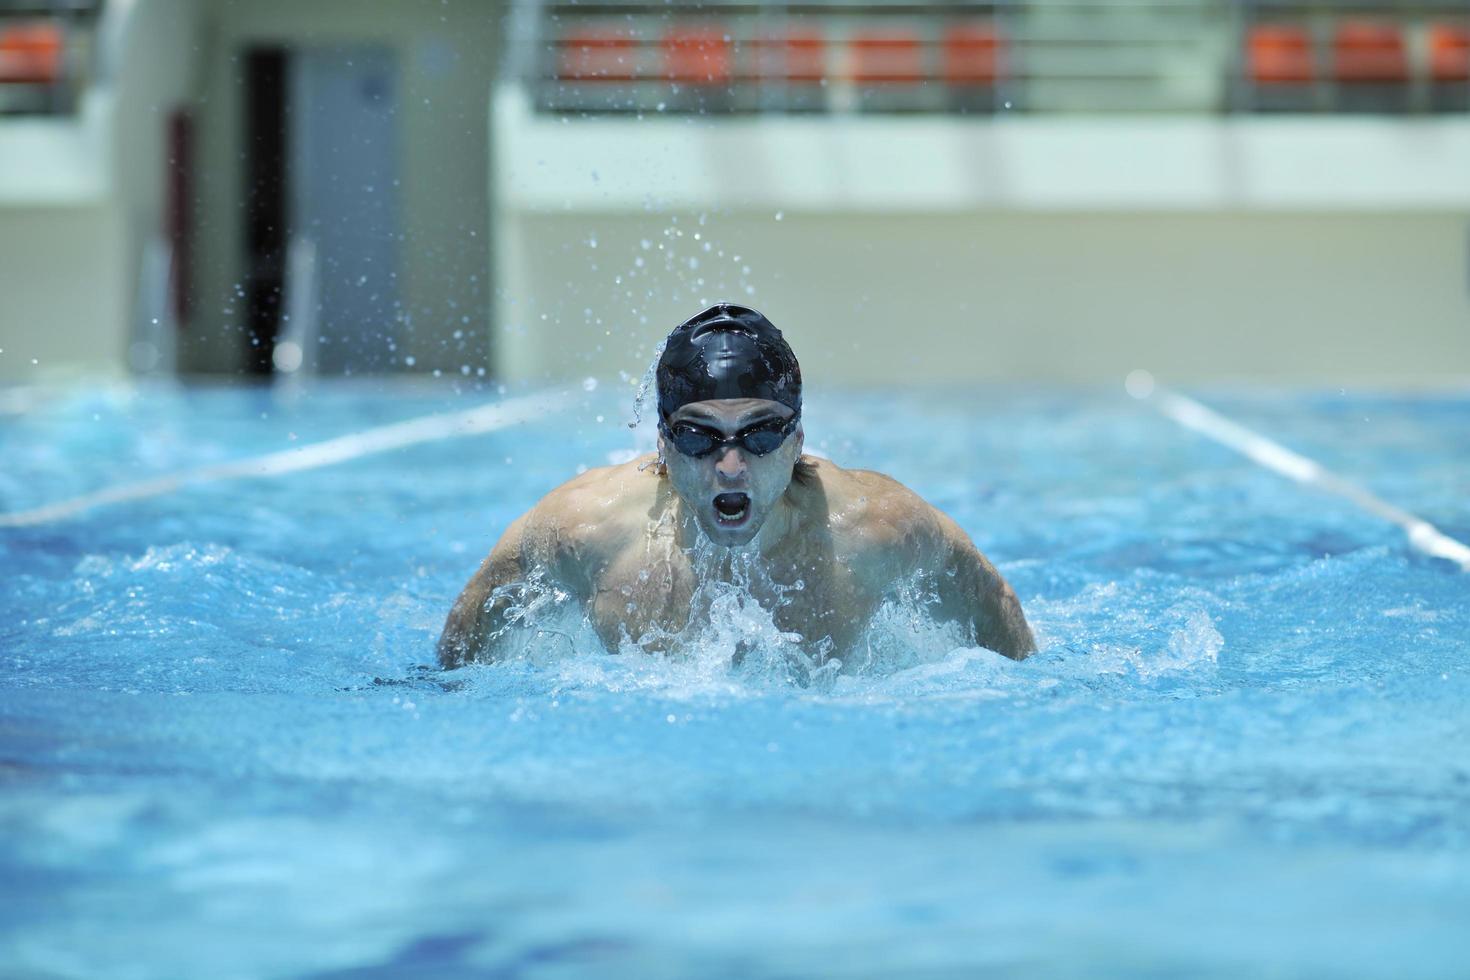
(727,351)
(729,399)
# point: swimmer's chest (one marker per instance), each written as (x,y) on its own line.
(814,597)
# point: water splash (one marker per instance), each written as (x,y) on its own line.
(734,637)
(733,629)
(646,383)
(1140,639)
(538,621)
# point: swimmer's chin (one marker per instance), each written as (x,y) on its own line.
(726,538)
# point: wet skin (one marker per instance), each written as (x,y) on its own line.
(630,542)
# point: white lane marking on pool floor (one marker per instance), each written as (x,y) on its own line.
(427,428)
(1423,536)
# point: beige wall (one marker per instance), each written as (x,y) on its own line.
(989,296)
(446,59)
(866,297)
(69,263)
(159,74)
(69,258)
(62,292)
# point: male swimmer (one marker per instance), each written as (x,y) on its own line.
(633,543)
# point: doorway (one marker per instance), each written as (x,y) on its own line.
(322,178)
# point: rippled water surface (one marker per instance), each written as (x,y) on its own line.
(1243,748)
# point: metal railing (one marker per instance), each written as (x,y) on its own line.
(1196,56)
(47,54)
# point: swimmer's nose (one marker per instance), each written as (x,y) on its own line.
(731,464)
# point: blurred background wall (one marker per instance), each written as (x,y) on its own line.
(84,98)
(439,62)
(537,191)
(996,296)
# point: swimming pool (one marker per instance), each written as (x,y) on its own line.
(1243,748)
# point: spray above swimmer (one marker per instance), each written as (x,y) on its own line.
(645,384)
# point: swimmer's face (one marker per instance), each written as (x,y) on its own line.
(731,489)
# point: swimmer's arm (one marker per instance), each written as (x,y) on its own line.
(919,538)
(972,592)
(475,617)
(537,541)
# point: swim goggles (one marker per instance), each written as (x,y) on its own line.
(697,440)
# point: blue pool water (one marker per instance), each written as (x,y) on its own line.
(1244,748)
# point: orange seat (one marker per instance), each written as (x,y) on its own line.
(972,54)
(1279,54)
(598,55)
(1449,52)
(886,57)
(31,53)
(1369,51)
(796,55)
(698,56)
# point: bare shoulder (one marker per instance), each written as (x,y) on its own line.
(871,510)
(883,530)
(599,506)
(568,536)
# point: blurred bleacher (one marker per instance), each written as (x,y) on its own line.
(1031,56)
(45,55)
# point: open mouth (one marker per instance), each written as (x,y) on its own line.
(731,509)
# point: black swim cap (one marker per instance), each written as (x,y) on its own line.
(727,351)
